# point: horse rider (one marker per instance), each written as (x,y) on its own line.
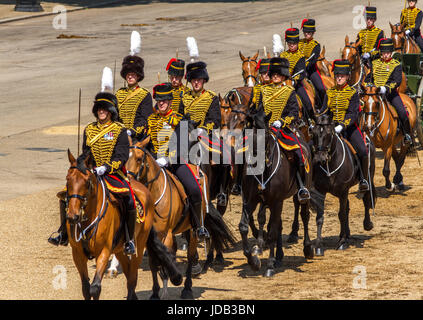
(264,78)
(134,102)
(203,106)
(160,126)
(176,71)
(297,68)
(281,100)
(106,144)
(342,102)
(310,48)
(370,37)
(386,74)
(411,18)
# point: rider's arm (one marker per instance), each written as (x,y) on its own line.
(120,153)
(291,110)
(418,21)
(213,116)
(144,110)
(298,67)
(314,55)
(351,116)
(394,80)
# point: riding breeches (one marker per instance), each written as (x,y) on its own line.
(317,81)
(121,189)
(189,181)
(355,137)
(305,100)
(396,101)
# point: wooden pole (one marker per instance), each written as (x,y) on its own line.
(79,120)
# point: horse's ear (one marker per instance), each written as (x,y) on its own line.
(71,158)
(256,55)
(144,142)
(269,56)
(242,56)
(220,99)
(323,52)
(347,40)
(392,26)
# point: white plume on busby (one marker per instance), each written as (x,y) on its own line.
(107,80)
(135,43)
(192,48)
(277,45)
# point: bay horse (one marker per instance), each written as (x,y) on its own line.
(96,228)
(172,216)
(402,42)
(358,70)
(249,72)
(280,176)
(335,172)
(382,125)
(323,65)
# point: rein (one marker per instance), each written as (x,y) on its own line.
(328,172)
(370,113)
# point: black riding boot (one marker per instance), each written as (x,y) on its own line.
(62,238)
(303,193)
(129,248)
(407,132)
(363,167)
(197,222)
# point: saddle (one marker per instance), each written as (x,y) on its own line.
(179,186)
(349,145)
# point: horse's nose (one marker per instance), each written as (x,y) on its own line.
(73,218)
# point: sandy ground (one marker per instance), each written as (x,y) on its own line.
(41,77)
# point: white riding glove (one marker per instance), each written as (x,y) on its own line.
(162,162)
(201,132)
(338,129)
(129,132)
(366,55)
(277,124)
(100,170)
(382,90)
(407,32)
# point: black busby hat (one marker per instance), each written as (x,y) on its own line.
(370,12)
(106,101)
(197,70)
(386,45)
(175,67)
(279,66)
(308,25)
(263,65)
(135,64)
(163,91)
(341,67)
(292,35)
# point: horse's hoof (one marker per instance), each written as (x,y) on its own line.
(343,246)
(391,188)
(293,238)
(184,247)
(368,225)
(255,263)
(400,186)
(196,269)
(112,274)
(256,251)
(219,260)
(269,273)
(154,297)
(278,263)
(187,294)
(308,252)
(319,252)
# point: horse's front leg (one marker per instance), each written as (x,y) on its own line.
(192,257)
(320,207)
(399,158)
(293,236)
(101,265)
(261,219)
(274,230)
(344,222)
(386,170)
(247,211)
(80,260)
(305,217)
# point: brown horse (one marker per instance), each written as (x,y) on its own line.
(172,215)
(249,72)
(402,43)
(323,65)
(95,230)
(381,124)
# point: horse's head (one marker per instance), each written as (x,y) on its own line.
(350,51)
(239,119)
(323,133)
(79,184)
(137,161)
(249,72)
(372,103)
(398,36)
(225,113)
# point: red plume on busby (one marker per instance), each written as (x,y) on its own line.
(176,67)
(170,62)
(258,65)
(302,23)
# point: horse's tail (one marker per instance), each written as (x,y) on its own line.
(159,252)
(221,236)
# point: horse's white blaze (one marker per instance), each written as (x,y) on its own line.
(347,53)
(250,81)
(130,154)
(369,119)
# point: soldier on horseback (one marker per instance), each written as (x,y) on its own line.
(411,19)
(370,37)
(264,78)
(106,145)
(160,126)
(342,102)
(134,102)
(386,74)
(310,48)
(281,100)
(297,68)
(176,71)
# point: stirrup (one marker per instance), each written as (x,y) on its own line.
(202,234)
(221,199)
(236,189)
(129,248)
(363,186)
(303,195)
(407,139)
